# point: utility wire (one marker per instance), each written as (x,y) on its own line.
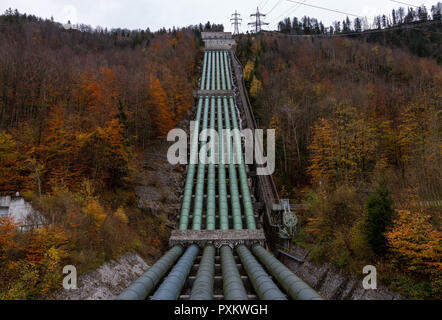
(277,4)
(322,8)
(260,3)
(407,4)
(366,32)
(265,3)
(287,14)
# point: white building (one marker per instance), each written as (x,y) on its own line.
(218,40)
(20,211)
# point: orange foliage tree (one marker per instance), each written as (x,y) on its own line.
(416,244)
(14,175)
(164,117)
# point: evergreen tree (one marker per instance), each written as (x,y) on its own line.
(378,218)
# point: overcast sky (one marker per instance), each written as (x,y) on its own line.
(154,14)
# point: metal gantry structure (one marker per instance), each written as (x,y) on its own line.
(236,22)
(217,199)
(258,23)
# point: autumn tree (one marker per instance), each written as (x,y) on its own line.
(416,245)
(14,175)
(164,117)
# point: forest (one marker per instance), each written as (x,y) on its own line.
(419,29)
(77,107)
(357,117)
(359,145)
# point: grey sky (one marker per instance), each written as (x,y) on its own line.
(134,14)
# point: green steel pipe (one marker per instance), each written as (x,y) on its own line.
(262,283)
(223,76)
(199,190)
(234,192)
(226,64)
(233,287)
(209,70)
(172,285)
(203,286)
(293,286)
(203,75)
(211,192)
(223,207)
(218,86)
(244,184)
(213,70)
(146,283)
(188,187)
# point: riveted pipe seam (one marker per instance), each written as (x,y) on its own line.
(172,285)
(143,286)
(203,286)
(233,286)
(262,283)
(293,286)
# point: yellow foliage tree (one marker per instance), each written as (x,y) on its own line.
(120,214)
(415,243)
(248,70)
(255,87)
(96,212)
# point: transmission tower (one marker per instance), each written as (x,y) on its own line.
(236,21)
(258,23)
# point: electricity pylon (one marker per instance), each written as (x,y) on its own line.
(236,22)
(258,23)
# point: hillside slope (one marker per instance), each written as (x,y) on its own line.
(358,142)
(78,110)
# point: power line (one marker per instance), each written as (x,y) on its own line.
(322,8)
(260,3)
(265,3)
(287,14)
(277,4)
(368,31)
(407,4)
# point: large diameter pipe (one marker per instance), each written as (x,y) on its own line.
(188,187)
(209,71)
(211,192)
(226,65)
(203,75)
(218,85)
(203,286)
(233,287)
(222,188)
(262,283)
(172,285)
(199,190)
(214,65)
(223,74)
(233,181)
(146,283)
(244,184)
(293,286)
